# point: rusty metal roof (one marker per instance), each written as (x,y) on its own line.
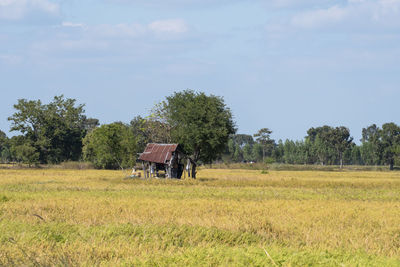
(158,153)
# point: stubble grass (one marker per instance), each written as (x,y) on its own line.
(225,217)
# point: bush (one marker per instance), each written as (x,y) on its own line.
(111,146)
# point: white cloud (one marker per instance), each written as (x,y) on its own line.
(117,31)
(177,3)
(15,10)
(10,59)
(158,28)
(173,26)
(72,24)
(298,3)
(353,15)
(321,17)
(72,40)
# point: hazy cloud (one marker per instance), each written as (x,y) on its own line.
(158,28)
(72,40)
(299,3)
(177,3)
(32,10)
(352,15)
(320,17)
(354,12)
(171,26)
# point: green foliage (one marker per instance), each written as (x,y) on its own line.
(389,141)
(23,151)
(139,129)
(329,144)
(370,148)
(269,160)
(152,129)
(26,153)
(381,145)
(90,124)
(110,146)
(54,131)
(294,152)
(264,139)
(201,123)
(341,140)
(3,140)
(5,154)
(247,153)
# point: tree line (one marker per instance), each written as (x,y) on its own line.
(60,131)
(325,145)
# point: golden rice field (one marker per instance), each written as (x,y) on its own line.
(58,217)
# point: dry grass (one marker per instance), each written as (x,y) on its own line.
(226,217)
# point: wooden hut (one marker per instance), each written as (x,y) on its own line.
(163,157)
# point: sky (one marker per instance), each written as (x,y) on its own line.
(287,65)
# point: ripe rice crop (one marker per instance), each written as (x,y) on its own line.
(225,217)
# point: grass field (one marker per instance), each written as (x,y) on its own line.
(225,217)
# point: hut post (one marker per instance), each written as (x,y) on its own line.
(194,165)
(169,172)
(144,170)
(188,167)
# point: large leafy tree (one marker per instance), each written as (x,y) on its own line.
(110,146)
(320,143)
(201,123)
(329,144)
(381,145)
(371,147)
(341,140)
(390,142)
(53,130)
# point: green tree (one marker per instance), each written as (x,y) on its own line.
(110,146)
(5,155)
(257,152)
(151,129)
(242,139)
(90,124)
(54,130)
(22,150)
(201,123)
(341,141)
(355,155)
(247,152)
(139,129)
(390,141)
(4,147)
(238,154)
(3,139)
(279,152)
(321,144)
(371,147)
(264,139)
(240,147)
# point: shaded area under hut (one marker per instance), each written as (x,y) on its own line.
(169,158)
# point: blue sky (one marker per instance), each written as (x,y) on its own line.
(283,64)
